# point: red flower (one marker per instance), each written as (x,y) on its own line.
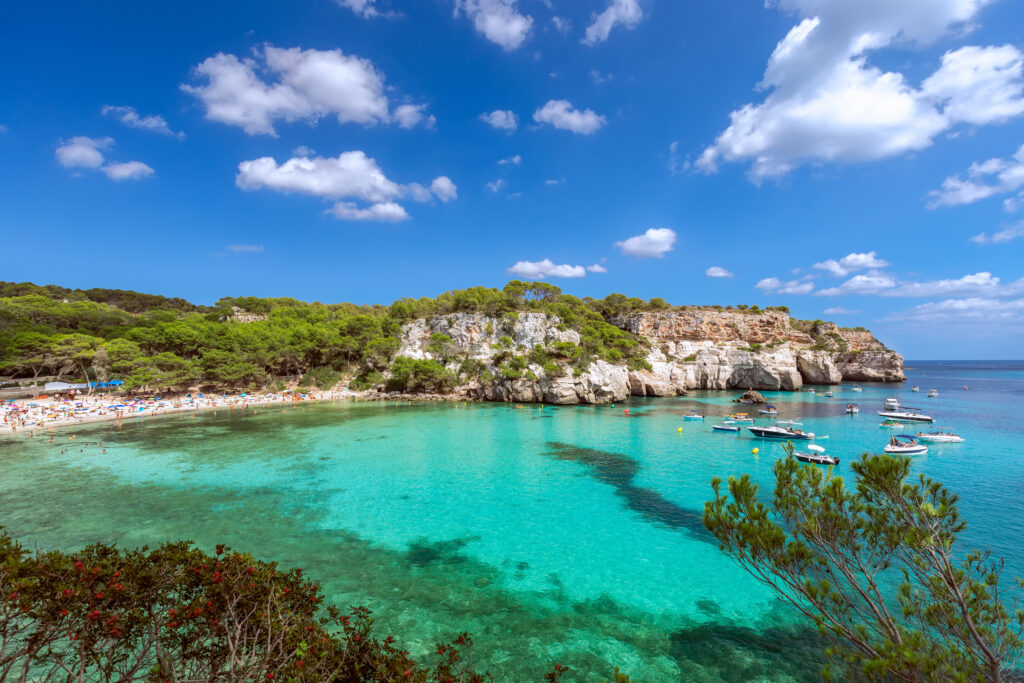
(63,612)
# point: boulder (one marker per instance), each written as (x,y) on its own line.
(750,396)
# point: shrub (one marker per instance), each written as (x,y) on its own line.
(322,378)
(413,376)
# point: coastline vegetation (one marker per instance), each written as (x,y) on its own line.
(157,343)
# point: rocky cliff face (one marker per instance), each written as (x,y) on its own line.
(687,349)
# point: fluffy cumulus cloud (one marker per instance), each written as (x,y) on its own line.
(654,243)
(412,115)
(1007,234)
(881,284)
(497,20)
(774,284)
(501,119)
(971,310)
(82,152)
(717,271)
(850,263)
(561,115)
(514,160)
(495,185)
(827,103)
(596,268)
(984,179)
(364,8)
(839,310)
(130,117)
(292,84)
(541,270)
(350,175)
(129,170)
(625,13)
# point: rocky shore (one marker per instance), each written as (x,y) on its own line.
(685,349)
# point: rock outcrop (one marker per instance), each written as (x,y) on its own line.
(686,349)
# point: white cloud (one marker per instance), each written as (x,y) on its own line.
(1005,235)
(384,211)
(514,160)
(501,119)
(364,8)
(599,78)
(245,248)
(540,270)
(985,179)
(973,311)
(839,310)
(654,243)
(851,263)
(826,103)
(774,284)
(129,170)
(308,85)
(979,85)
(130,117)
(83,151)
(351,175)
(561,115)
(303,151)
(3,129)
(625,13)
(869,283)
(561,25)
(717,271)
(597,268)
(551,181)
(976,284)
(496,185)
(410,115)
(498,20)
(444,188)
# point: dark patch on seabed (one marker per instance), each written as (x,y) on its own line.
(738,653)
(422,552)
(618,470)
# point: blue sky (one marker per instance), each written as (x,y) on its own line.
(855,161)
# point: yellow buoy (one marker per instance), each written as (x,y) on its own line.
(680,429)
(754,451)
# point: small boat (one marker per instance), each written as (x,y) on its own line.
(905,415)
(856,388)
(816,457)
(891,424)
(916,389)
(852,408)
(725,428)
(810,391)
(892,404)
(933,393)
(828,394)
(904,444)
(693,415)
(939,437)
(775,432)
(768,410)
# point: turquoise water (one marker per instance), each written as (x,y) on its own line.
(566,535)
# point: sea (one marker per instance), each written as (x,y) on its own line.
(566,535)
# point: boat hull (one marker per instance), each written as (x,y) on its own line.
(910,417)
(764,433)
(719,428)
(816,459)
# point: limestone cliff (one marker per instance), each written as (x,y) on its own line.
(689,348)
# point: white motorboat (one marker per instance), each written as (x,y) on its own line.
(856,388)
(933,393)
(725,428)
(905,415)
(892,404)
(693,415)
(775,432)
(904,444)
(768,410)
(916,389)
(852,408)
(939,437)
(816,456)
(740,418)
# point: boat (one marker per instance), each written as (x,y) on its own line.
(892,404)
(725,428)
(856,388)
(776,432)
(939,437)
(904,444)
(905,415)
(891,423)
(740,417)
(693,415)
(852,408)
(916,389)
(828,394)
(816,456)
(768,410)
(933,393)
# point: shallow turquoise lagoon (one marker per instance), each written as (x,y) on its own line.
(566,535)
